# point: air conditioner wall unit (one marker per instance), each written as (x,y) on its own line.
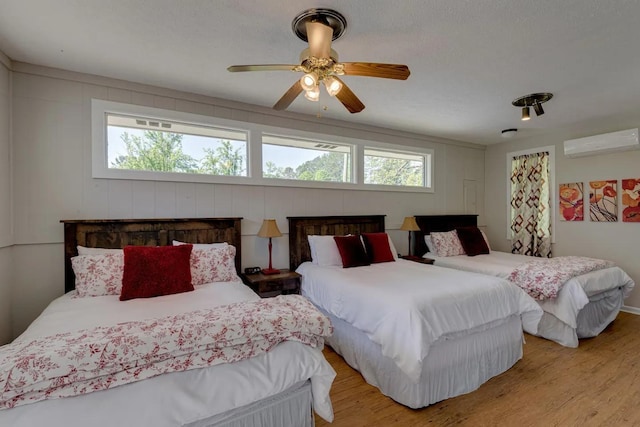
(601,144)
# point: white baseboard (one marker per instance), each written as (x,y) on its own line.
(629,309)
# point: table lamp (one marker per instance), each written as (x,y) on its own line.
(269,229)
(409,224)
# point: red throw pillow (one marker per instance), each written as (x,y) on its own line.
(154,271)
(351,251)
(377,245)
(472,241)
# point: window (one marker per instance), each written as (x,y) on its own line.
(299,159)
(147,144)
(136,142)
(530,196)
(385,167)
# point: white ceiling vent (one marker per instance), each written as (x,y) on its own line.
(601,144)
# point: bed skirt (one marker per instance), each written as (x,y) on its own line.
(290,408)
(593,318)
(454,366)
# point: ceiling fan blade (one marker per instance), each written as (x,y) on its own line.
(289,96)
(371,69)
(263,67)
(319,37)
(349,99)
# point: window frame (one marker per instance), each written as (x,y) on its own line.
(99,151)
(551,149)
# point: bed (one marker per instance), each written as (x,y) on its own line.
(583,307)
(282,384)
(419,333)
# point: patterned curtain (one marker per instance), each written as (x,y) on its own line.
(530,205)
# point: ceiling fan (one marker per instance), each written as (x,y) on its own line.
(319,62)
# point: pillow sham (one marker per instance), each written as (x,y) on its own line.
(83,250)
(351,251)
(98,275)
(151,271)
(324,250)
(472,241)
(447,243)
(214,264)
(377,247)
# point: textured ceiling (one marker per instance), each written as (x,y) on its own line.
(468,58)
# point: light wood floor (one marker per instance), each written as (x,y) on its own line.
(597,384)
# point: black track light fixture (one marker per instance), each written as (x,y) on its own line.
(534,100)
(537,107)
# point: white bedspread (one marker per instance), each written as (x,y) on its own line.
(406,307)
(194,394)
(573,296)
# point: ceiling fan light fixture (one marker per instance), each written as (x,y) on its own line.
(319,62)
(537,107)
(313,94)
(525,114)
(332,85)
(309,81)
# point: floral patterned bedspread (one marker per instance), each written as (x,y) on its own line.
(101,358)
(543,278)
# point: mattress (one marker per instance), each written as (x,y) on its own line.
(564,320)
(406,307)
(178,398)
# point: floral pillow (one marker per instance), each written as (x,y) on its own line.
(447,243)
(98,275)
(215,264)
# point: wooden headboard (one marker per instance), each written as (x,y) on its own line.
(430,223)
(118,233)
(302,226)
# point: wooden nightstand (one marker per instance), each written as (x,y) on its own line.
(418,259)
(285,282)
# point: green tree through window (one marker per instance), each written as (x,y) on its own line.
(155,151)
(163,152)
(328,167)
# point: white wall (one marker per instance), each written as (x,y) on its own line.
(52,163)
(615,241)
(6,237)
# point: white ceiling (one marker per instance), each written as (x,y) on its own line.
(468,58)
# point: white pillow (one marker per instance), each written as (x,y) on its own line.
(486,240)
(393,248)
(429,243)
(447,244)
(82,250)
(202,245)
(324,250)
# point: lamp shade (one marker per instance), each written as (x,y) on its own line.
(409,224)
(269,229)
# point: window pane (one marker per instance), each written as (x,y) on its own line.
(305,160)
(394,168)
(138,143)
